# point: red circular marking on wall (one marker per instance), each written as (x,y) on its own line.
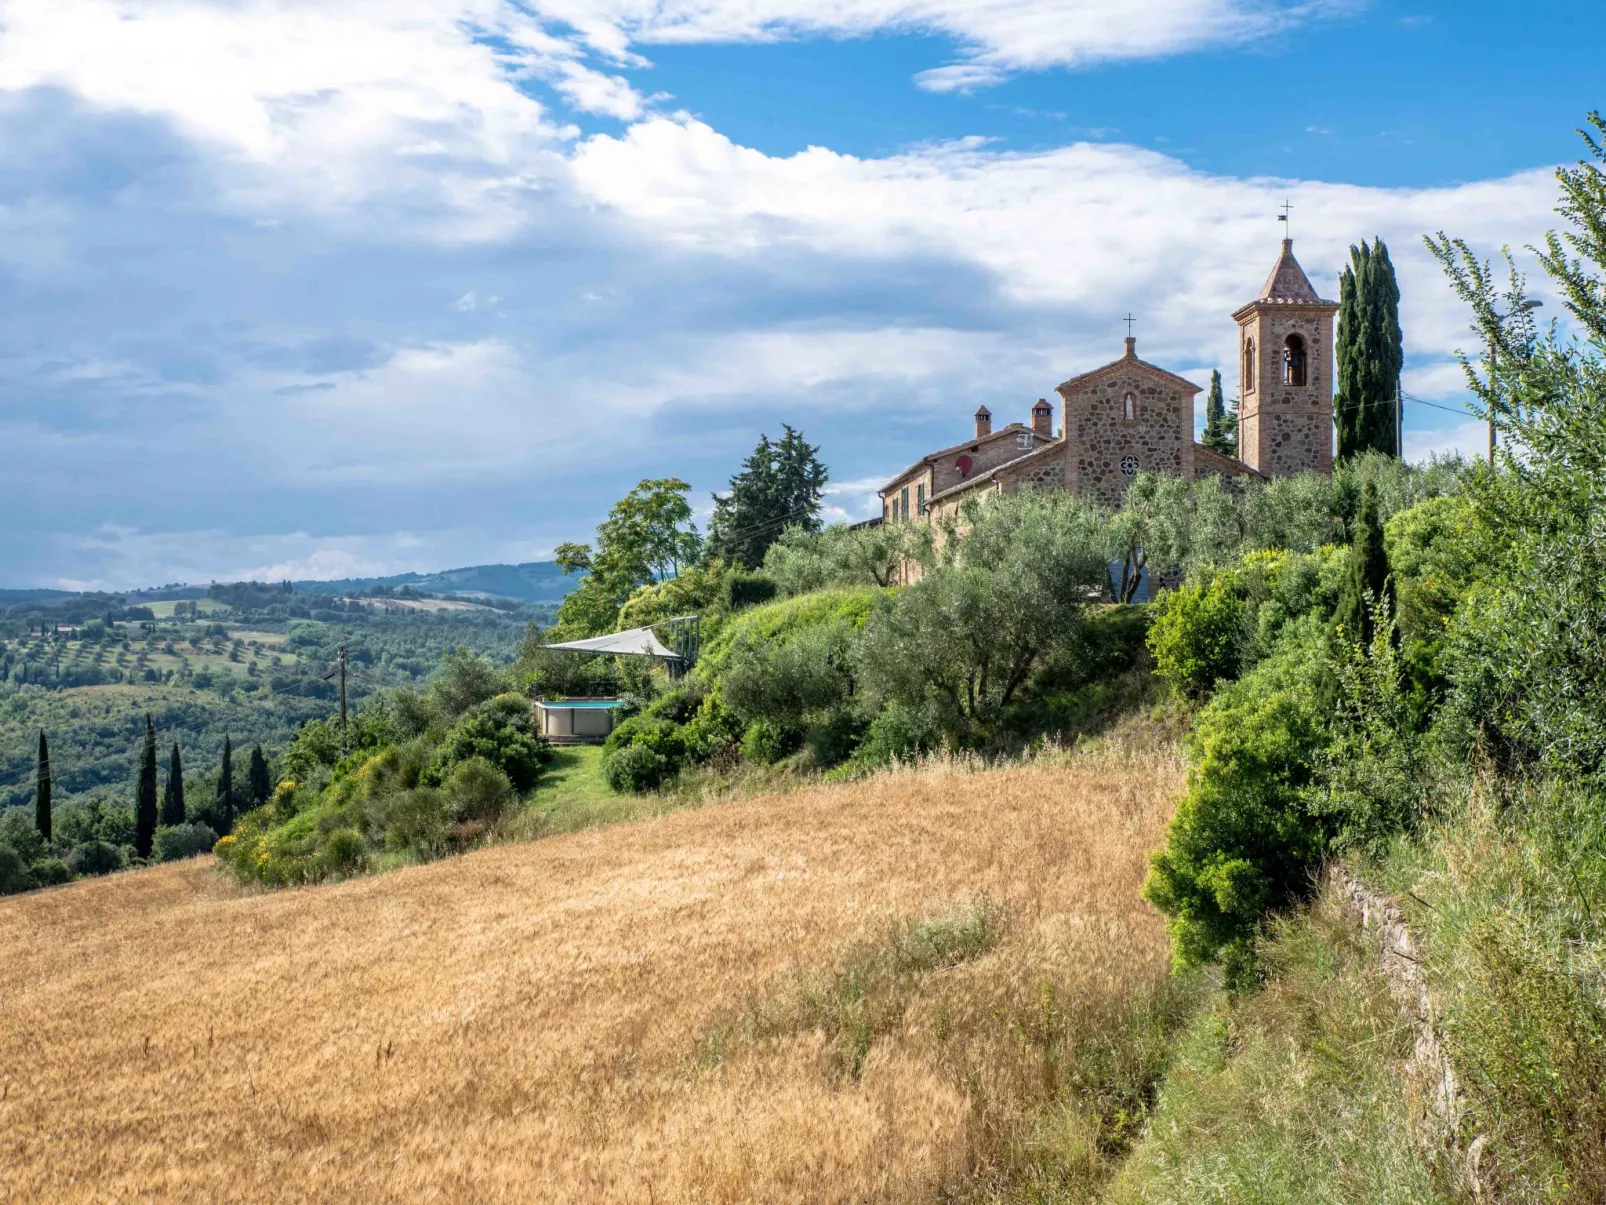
(963,465)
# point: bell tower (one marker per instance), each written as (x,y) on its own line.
(1285,374)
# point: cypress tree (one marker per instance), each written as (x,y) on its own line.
(145,795)
(223,806)
(1368,571)
(41,798)
(258,784)
(1370,353)
(1220,433)
(173,793)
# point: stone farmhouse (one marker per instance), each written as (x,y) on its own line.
(1130,415)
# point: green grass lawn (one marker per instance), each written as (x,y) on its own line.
(572,795)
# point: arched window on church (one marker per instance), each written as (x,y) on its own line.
(1129,407)
(1249,365)
(1294,361)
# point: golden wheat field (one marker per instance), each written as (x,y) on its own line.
(686,1008)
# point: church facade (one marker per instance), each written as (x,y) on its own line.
(1131,416)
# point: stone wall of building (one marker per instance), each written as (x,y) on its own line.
(1001,447)
(1105,449)
(1045,471)
(1283,428)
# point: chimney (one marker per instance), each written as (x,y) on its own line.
(984,421)
(1043,418)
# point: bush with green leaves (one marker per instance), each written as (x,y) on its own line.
(1197,636)
(634,769)
(49,872)
(502,731)
(14,876)
(478,792)
(765,743)
(178,841)
(95,857)
(803,679)
(1246,838)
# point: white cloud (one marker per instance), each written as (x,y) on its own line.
(384,283)
(1470,440)
(994,37)
(1095,228)
(127,558)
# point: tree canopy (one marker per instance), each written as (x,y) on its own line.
(647,537)
(778,487)
(1370,354)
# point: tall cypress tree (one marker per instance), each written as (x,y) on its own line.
(1370,353)
(223,805)
(1218,433)
(1367,582)
(42,790)
(259,785)
(145,794)
(173,792)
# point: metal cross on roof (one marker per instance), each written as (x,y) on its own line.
(1283,216)
(1129,320)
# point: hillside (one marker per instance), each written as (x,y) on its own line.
(533,582)
(866,990)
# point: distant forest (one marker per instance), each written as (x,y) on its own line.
(249,660)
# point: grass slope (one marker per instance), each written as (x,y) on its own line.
(916,984)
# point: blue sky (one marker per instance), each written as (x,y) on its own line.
(300,288)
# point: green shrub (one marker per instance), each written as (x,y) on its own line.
(49,872)
(95,857)
(664,738)
(634,769)
(478,791)
(677,706)
(834,740)
(415,821)
(794,681)
(713,733)
(1244,841)
(897,733)
(344,853)
(775,622)
(17,830)
(748,590)
(14,876)
(178,841)
(502,731)
(1196,636)
(765,743)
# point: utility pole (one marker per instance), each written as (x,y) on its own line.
(340,672)
(1530,304)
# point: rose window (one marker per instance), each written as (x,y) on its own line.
(1129,466)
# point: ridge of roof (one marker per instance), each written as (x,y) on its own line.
(990,474)
(1008,429)
(1126,362)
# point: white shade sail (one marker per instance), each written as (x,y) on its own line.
(637,642)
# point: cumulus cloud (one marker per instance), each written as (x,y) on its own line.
(995,37)
(287,278)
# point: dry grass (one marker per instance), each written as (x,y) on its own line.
(533,1022)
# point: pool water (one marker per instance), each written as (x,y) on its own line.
(580,704)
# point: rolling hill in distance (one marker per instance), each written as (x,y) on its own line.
(533,582)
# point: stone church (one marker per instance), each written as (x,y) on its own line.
(1129,416)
